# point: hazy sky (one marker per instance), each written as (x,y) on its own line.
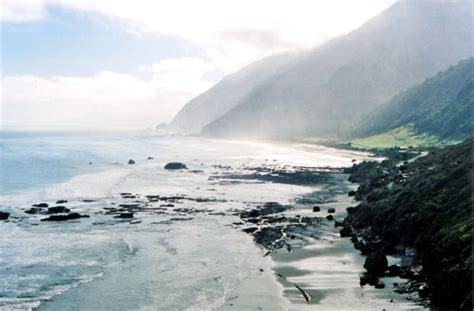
(135,63)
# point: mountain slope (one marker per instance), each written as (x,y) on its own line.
(326,90)
(226,94)
(442,106)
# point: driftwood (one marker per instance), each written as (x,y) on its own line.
(306,296)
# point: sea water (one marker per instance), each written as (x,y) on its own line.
(100,263)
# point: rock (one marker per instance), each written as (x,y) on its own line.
(34,210)
(379,285)
(131,205)
(41,205)
(125,215)
(266,236)
(346,232)
(331,210)
(365,279)
(130,162)
(4,215)
(150,158)
(64,217)
(394,270)
(423,291)
(376,263)
(58,210)
(351,193)
(250,229)
(253,220)
(316,209)
(175,166)
(61,201)
(250,214)
(350,210)
(329,217)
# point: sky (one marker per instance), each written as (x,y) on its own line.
(135,63)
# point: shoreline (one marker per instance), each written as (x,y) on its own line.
(280,181)
(303,274)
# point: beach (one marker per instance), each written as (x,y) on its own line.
(183,247)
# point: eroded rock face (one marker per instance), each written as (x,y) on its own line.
(376,263)
(175,166)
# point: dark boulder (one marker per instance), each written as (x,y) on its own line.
(58,210)
(250,229)
(350,210)
(250,214)
(379,285)
(316,209)
(329,217)
(131,161)
(64,217)
(150,158)
(41,205)
(394,270)
(61,201)
(346,232)
(4,215)
(125,215)
(253,220)
(331,210)
(175,166)
(376,263)
(351,193)
(34,210)
(365,279)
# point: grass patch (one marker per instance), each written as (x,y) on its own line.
(402,137)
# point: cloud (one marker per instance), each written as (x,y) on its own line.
(222,27)
(18,11)
(105,100)
(230,34)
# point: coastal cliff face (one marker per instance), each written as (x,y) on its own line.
(426,204)
(326,90)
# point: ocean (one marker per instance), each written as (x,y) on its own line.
(187,254)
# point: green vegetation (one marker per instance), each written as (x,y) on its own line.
(426,204)
(437,111)
(403,137)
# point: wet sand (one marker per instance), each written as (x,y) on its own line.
(326,268)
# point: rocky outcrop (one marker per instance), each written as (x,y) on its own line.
(175,166)
(64,217)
